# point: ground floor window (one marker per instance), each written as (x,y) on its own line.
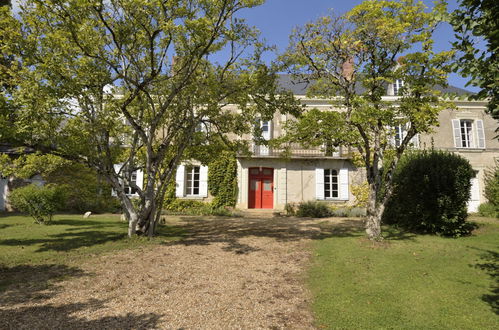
(330,183)
(192,175)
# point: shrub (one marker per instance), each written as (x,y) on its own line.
(313,209)
(194,207)
(39,202)
(431,189)
(290,209)
(348,211)
(491,189)
(488,210)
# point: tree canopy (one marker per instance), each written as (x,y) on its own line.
(133,82)
(352,60)
(476,23)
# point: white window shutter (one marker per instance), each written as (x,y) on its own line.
(319,183)
(480,134)
(117,168)
(267,135)
(179,181)
(203,181)
(456,127)
(343,178)
(140,179)
(415,141)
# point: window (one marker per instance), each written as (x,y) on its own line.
(397,86)
(468,133)
(130,190)
(330,183)
(399,135)
(136,177)
(192,175)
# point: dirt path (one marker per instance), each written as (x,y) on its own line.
(226,274)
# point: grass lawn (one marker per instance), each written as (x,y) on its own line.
(28,250)
(408,281)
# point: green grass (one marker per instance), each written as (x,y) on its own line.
(57,248)
(408,281)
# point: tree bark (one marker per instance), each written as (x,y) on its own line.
(374,214)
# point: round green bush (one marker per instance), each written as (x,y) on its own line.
(431,189)
(40,202)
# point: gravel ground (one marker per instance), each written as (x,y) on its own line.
(245,273)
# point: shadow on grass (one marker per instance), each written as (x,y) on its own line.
(61,317)
(68,241)
(392,233)
(489,262)
(20,284)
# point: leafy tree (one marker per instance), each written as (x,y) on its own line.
(97,85)
(83,188)
(351,59)
(476,23)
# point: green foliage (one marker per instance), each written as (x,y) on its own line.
(476,23)
(361,194)
(112,82)
(194,207)
(313,209)
(488,210)
(40,202)
(355,212)
(351,59)
(222,180)
(491,190)
(83,188)
(431,190)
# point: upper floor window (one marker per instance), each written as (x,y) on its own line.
(468,133)
(397,86)
(399,132)
(128,189)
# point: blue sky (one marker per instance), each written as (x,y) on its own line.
(277,18)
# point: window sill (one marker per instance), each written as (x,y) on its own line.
(192,197)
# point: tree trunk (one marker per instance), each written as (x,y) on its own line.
(374,214)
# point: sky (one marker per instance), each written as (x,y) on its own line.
(276,19)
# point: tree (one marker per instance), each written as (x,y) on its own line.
(476,23)
(351,59)
(97,85)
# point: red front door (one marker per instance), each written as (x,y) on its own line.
(261,188)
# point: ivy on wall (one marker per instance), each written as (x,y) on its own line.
(222,180)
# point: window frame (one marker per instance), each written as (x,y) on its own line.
(190,177)
(329,186)
(466,133)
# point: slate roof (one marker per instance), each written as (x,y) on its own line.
(286,82)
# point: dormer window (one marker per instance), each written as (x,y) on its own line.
(397,86)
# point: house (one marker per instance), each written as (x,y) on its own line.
(266,180)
